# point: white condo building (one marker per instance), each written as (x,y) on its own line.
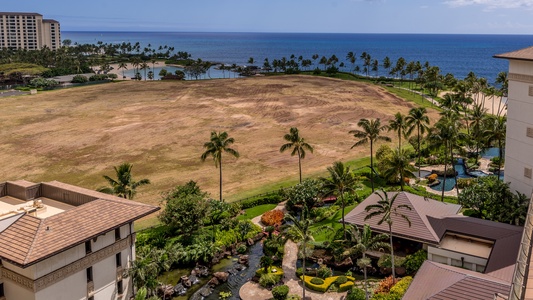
(519,138)
(28,31)
(62,242)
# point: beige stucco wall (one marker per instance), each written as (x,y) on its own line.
(73,287)
(14,291)
(519,147)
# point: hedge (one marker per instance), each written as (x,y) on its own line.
(346,286)
(327,282)
(279,271)
(272,199)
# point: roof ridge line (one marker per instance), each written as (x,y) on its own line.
(41,223)
(426,222)
(437,265)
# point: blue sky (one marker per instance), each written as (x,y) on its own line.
(339,16)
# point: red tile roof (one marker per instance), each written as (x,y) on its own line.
(522,54)
(30,240)
(421,209)
(438,281)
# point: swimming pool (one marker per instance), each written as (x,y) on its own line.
(491,152)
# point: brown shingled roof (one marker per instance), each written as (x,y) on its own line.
(438,281)
(421,209)
(522,54)
(30,240)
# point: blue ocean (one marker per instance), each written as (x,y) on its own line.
(452,53)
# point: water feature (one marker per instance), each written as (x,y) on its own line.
(491,152)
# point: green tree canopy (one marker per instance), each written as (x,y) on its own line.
(123,186)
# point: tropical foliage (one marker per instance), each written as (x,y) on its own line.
(123,186)
(298,145)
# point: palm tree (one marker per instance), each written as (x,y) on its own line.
(445,134)
(386,208)
(298,145)
(124,186)
(398,167)
(477,119)
(123,66)
(417,118)
(362,241)
(496,128)
(399,125)
(369,134)
(144,66)
(341,180)
(300,231)
(219,142)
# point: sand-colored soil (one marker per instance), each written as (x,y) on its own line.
(76,135)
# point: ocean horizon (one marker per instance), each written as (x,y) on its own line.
(457,54)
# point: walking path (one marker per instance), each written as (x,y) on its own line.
(253,291)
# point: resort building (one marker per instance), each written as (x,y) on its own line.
(518,158)
(480,253)
(28,31)
(519,138)
(59,241)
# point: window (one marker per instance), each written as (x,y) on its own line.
(89,272)
(117,234)
(88,248)
(120,287)
(2,289)
(90,298)
(118,259)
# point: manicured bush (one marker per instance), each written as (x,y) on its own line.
(413,262)
(341,280)
(241,248)
(268,280)
(294,297)
(385,261)
(270,199)
(98,77)
(273,217)
(280,292)
(346,286)
(356,294)
(309,282)
(79,79)
(323,272)
(317,281)
(401,287)
(465,182)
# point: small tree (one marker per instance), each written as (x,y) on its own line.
(124,186)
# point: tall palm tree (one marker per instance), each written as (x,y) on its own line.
(300,231)
(397,167)
(370,133)
(386,208)
(124,186)
(218,143)
(398,125)
(417,118)
(298,146)
(340,181)
(144,66)
(477,119)
(123,66)
(445,134)
(495,131)
(362,241)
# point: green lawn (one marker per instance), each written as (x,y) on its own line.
(253,212)
(332,222)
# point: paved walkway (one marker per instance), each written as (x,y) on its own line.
(253,291)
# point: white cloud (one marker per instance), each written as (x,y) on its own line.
(492,4)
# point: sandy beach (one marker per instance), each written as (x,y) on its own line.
(492,104)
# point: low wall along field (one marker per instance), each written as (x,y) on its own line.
(77,135)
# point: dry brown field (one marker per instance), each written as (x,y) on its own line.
(76,135)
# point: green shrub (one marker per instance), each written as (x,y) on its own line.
(341,280)
(401,286)
(241,248)
(312,283)
(79,79)
(413,262)
(346,286)
(280,292)
(348,273)
(323,272)
(270,199)
(268,280)
(294,297)
(356,294)
(299,272)
(317,281)
(98,77)
(465,182)
(385,261)
(278,272)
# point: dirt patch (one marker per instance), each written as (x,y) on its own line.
(77,135)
